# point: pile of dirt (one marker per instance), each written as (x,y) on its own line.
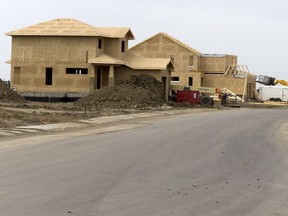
(7,95)
(141,91)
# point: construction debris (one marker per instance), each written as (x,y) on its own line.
(141,91)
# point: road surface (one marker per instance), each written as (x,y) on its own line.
(215,163)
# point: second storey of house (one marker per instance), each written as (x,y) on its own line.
(64,49)
(67,40)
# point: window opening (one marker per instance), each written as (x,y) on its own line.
(175,79)
(87,56)
(122,46)
(190,81)
(76,70)
(99,43)
(49,76)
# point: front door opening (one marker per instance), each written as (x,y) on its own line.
(99,78)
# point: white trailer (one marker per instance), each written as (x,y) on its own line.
(273,93)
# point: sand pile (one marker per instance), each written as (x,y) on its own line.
(142,91)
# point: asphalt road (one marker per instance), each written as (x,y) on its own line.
(212,163)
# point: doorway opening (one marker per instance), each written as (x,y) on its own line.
(98,78)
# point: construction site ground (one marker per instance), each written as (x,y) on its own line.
(22,119)
(139,97)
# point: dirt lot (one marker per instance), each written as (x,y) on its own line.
(137,95)
(35,113)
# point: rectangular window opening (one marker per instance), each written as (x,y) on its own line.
(76,70)
(49,76)
(122,46)
(190,81)
(87,56)
(175,79)
(99,43)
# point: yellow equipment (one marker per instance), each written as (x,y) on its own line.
(282,82)
(206,90)
(267,80)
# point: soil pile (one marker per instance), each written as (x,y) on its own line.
(141,91)
(7,95)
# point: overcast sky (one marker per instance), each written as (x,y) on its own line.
(254,30)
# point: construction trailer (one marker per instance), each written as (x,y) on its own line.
(273,93)
(273,89)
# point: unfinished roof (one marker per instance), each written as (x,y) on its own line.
(134,61)
(72,27)
(138,62)
(172,39)
(213,55)
(105,59)
(150,64)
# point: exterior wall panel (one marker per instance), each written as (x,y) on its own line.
(236,85)
(163,47)
(34,54)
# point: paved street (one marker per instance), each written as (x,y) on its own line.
(218,163)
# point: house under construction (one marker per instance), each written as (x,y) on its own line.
(193,68)
(68,59)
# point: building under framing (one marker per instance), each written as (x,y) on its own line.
(193,68)
(65,59)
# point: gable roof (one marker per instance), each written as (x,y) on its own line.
(72,27)
(172,39)
(118,32)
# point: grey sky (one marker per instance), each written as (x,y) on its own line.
(254,30)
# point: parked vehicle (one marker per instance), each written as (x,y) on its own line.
(273,93)
(192,95)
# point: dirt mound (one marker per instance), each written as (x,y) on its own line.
(7,95)
(142,91)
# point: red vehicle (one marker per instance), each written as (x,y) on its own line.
(193,97)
